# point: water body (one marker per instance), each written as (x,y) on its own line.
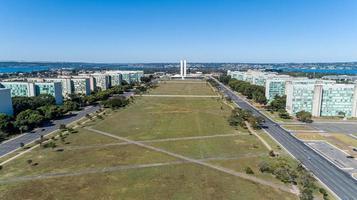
(15,69)
(325,71)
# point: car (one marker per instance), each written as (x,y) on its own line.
(349,156)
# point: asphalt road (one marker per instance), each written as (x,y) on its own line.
(26,138)
(334,154)
(340,182)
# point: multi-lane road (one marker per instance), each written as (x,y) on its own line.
(340,182)
(13,144)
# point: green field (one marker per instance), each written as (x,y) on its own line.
(88,165)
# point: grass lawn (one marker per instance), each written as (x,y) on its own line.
(215,147)
(309,136)
(157,118)
(346,139)
(51,161)
(147,118)
(184,181)
(184,88)
(298,127)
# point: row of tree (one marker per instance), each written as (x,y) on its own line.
(254,92)
(30,112)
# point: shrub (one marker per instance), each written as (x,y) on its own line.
(304,116)
(265,167)
(50,144)
(248,170)
(271,153)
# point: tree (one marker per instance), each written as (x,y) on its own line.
(29,118)
(224,79)
(24,103)
(50,111)
(70,106)
(284,115)
(341,114)
(146,79)
(304,116)
(6,126)
(115,103)
(254,92)
(278,103)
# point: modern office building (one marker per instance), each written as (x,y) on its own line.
(322,98)
(131,76)
(274,83)
(81,86)
(102,81)
(20,89)
(115,77)
(54,89)
(28,89)
(69,84)
(6,102)
(66,83)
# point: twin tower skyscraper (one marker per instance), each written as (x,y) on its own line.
(183,68)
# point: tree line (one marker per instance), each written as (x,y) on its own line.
(254,92)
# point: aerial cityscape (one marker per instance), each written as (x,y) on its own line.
(178,100)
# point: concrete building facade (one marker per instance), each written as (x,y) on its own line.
(322,98)
(28,89)
(6,102)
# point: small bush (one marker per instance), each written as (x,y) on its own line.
(271,153)
(50,144)
(248,170)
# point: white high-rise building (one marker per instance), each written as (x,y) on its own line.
(183,69)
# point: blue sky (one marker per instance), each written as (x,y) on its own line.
(168,30)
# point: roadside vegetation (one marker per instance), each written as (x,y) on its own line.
(304,116)
(286,172)
(239,116)
(278,104)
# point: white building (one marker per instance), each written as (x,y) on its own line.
(6,102)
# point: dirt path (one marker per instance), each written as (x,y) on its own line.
(258,136)
(218,168)
(110,169)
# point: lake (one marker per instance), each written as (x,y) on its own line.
(14,69)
